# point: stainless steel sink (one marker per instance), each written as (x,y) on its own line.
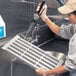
(58,55)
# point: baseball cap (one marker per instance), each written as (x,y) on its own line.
(69,7)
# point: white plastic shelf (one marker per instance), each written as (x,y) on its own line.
(31,54)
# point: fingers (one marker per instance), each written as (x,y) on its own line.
(38,7)
(40,71)
(43,10)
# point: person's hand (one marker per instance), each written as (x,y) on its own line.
(40,71)
(43,11)
(43,72)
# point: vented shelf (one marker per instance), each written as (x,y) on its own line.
(31,54)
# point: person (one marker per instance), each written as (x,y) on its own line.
(68,32)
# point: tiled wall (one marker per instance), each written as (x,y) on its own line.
(17,15)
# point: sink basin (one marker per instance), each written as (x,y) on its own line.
(58,55)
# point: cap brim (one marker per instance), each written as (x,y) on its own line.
(64,10)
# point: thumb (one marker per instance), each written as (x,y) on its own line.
(38,7)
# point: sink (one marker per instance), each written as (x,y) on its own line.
(58,55)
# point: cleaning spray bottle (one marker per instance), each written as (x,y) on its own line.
(2,28)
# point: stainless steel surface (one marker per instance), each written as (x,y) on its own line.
(58,55)
(52,3)
(5,40)
(23,1)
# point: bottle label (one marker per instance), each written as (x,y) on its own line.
(2,32)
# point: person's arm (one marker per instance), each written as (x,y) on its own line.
(44,17)
(57,70)
(54,27)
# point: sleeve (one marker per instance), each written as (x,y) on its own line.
(70,63)
(66,31)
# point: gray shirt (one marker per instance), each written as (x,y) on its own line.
(69,32)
